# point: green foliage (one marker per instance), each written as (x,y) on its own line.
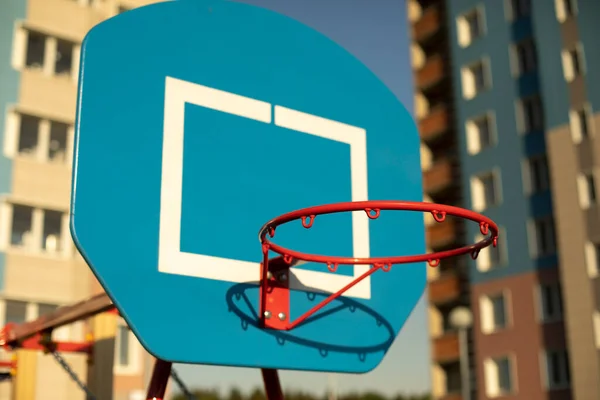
(258,394)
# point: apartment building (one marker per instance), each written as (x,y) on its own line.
(521,77)
(40,269)
(569,75)
(440,157)
(520,345)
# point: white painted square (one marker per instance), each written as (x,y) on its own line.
(174,261)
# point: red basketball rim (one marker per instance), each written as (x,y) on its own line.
(373,208)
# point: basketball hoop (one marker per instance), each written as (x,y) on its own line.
(275,291)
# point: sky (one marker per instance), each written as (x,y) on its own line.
(376,32)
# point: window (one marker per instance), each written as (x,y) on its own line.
(550,300)
(581,124)
(123,357)
(470,26)
(126,350)
(498,376)
(52,231)
(480,133)
(524,57)
(493,313)
(29,129)
(485,191)
(573,62)
(490,257)
(518,9)
(586,185)
(16,311)
(38,139)
(592,259)
(64,57)
(53,56)
(57,148)
(453,378)
(596,323)
(535,174)
(541,237)
(475,79)
(529,114)
(45,309)
(36,50)
(558,375)
(426,157)
(35,229)
(565,9)
(22,226)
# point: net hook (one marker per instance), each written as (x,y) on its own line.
(272,231)
(439,216)
(475,254)
(288,259)
(309,223)
(372,213)
(484,228)
(332,266)
(434,263)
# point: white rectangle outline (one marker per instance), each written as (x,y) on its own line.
(173,261)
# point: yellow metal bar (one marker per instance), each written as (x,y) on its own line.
(25,375)
(100,370)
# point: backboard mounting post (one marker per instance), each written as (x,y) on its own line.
(272,384)
(160,377)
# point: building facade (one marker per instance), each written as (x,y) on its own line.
(40,269)
(442,180)
(569,76)
(521,77)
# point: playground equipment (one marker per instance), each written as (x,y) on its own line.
(37,335)
(197,121)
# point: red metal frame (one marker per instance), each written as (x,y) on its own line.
(275,293)
(7,364)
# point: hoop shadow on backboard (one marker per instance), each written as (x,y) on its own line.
(236,296)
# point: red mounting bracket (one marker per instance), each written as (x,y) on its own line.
(275,294)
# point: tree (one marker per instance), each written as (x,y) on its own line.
(235,394)
(258,394)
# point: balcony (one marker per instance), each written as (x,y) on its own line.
(432,73)
(446,347)
(441,234)
(429,24)
(438,177)
(445,288)
(434,124)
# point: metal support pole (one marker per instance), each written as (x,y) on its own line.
(465,374)
(160,378)
(272,384)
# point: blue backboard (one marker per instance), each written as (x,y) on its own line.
(198,121)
